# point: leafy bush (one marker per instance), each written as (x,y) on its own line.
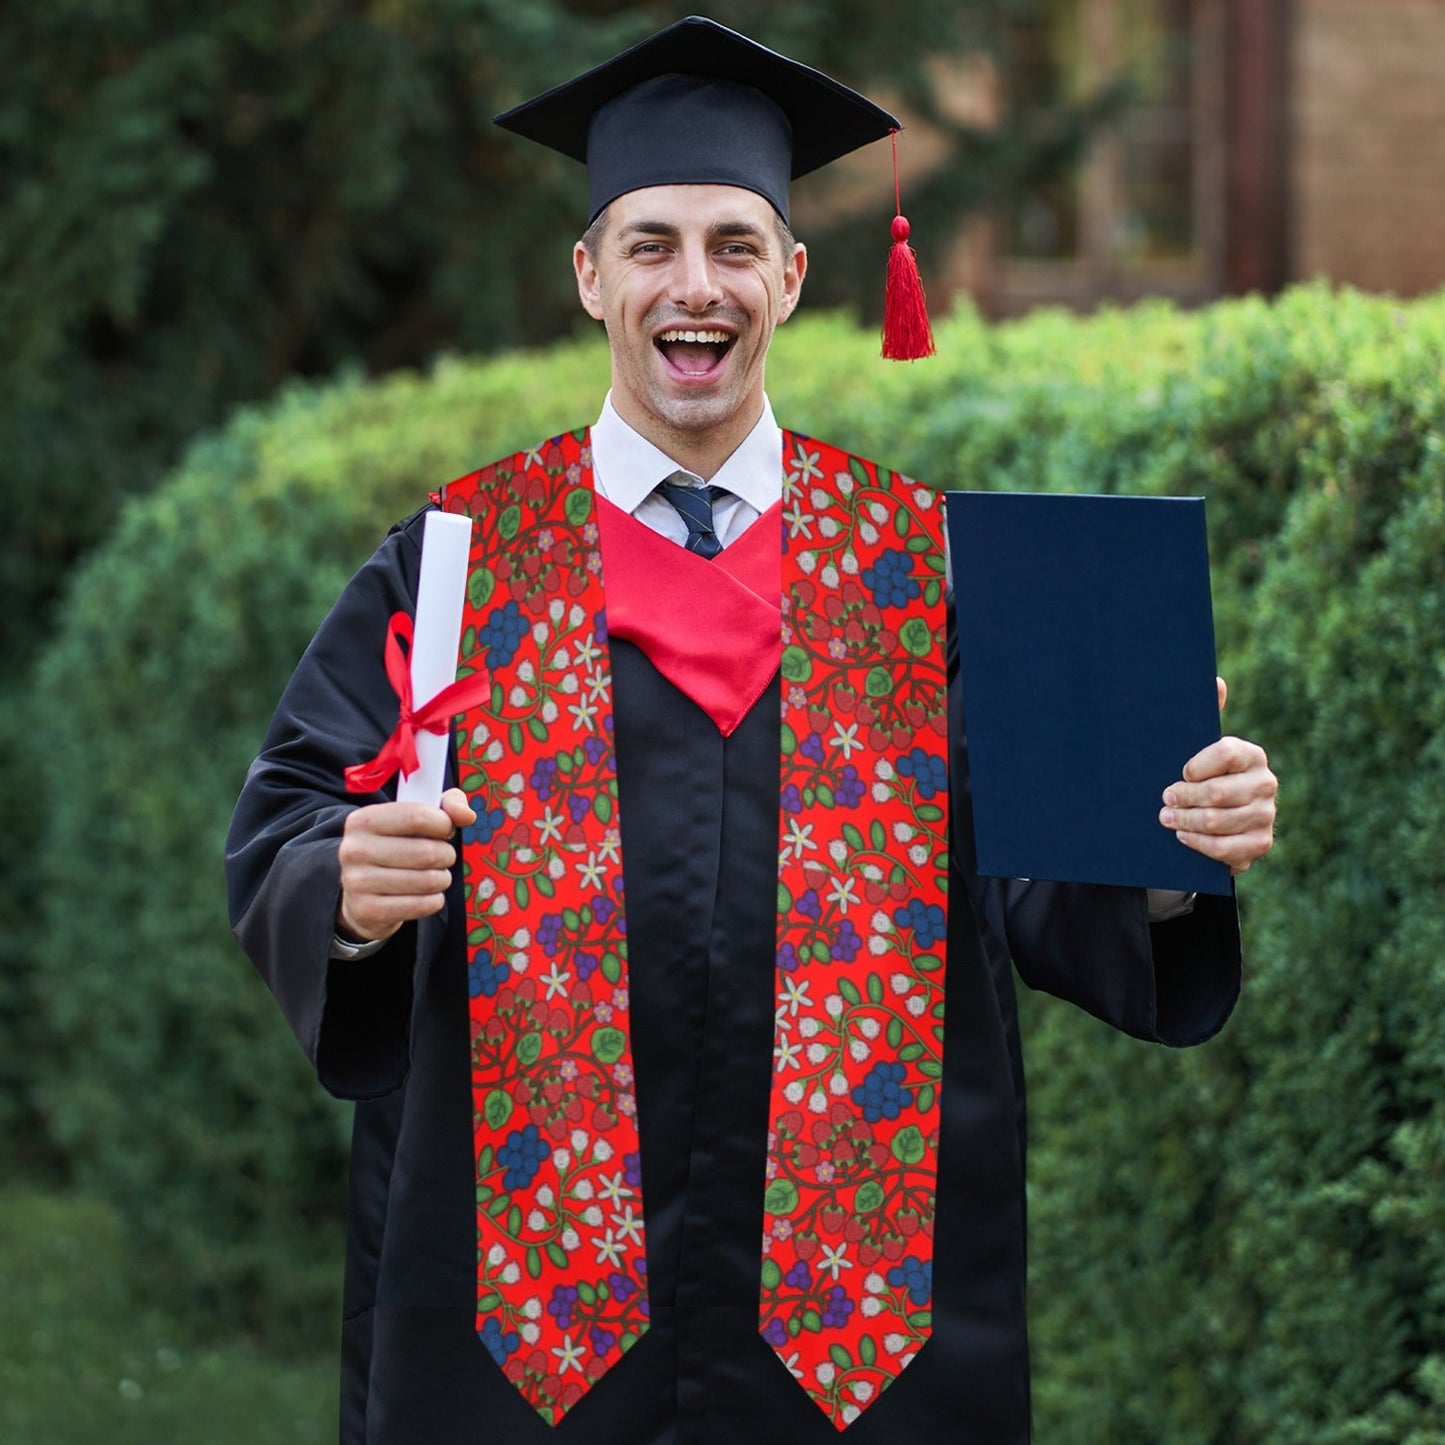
(1240,1244)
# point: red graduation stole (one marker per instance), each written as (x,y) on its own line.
(857,629)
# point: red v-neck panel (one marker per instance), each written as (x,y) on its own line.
(712,628)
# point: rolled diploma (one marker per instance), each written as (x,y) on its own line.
(445,545)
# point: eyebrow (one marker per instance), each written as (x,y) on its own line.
(666,230)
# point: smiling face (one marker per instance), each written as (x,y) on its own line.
(690,282)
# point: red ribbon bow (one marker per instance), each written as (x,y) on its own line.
(398,753)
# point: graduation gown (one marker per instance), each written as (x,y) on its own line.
(698,814)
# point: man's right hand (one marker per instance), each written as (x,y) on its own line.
(396,862)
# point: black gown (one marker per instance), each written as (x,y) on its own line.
(698,815)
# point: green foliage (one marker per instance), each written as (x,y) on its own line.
(1241,1244)
(85,1355)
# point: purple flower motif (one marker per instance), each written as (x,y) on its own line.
(812,747)
(788,957)
(792,799)
(544,777)
(799,1276)
(604,908)
(775,1333)
(586,965)
(809,904)
(604,1341)
(622,1288)
(593,748)
(562,1304)
(549,933)
(846,942)
(850,788)
(579,805)
(836,1308)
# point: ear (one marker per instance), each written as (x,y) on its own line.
(589,284)
(794,270)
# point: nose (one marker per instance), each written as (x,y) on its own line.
(696,287)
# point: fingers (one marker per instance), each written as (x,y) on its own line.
(1222,688)
(1224,807)
(396,862)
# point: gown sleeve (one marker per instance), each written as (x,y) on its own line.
(283,875)
(1093,945)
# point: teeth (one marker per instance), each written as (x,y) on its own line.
(719,338)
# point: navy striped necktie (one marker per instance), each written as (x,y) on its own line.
(694,505)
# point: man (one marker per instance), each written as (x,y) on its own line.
(663,1133)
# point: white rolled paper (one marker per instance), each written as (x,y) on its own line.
(445,546)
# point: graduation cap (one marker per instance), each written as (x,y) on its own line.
(699,104)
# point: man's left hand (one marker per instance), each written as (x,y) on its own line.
(1224,805)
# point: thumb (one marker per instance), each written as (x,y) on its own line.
(455,805)
(1222,688)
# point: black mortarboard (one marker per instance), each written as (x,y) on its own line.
(699,104)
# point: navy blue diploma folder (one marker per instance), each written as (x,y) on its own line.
(1086,650)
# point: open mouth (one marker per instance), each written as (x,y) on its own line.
(694,352)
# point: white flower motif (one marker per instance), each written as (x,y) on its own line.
(550,824)
(609,1251)
(838,1085)
(900,983)
(834,1005)
(829,576)
(532,1309)
(556,607)
(546,1197)
(531,1334)
(807,465)
(562,1158)
(869,1028)
(588,651)
(518,696)
(859,1050)
(849,563)
(871,1306)
(539,633)
(536,1220)
(570,1240)
(916,1005)
(794,995)
(593,872)
(867,532)
(583,711)
(817,1102)
(881,792)
(614,1189)
(578,1140)
(828,527)
(807,562)
(792,1363)
(511,1273)
(602,1152)
(835,1260)
(883,769)
(800,523)
(629,1226)
(808,1027)
(903,832)
(598,684)
(918,854)
(583,1189)
(850,1413)
(569,686)
(895,1343)
(786,1054)
(496,1256)
(556,869)
(592,1216)
(842,894)
(575,616)
(817,1053)
(798,839)
(846,739)
(825,1373)
(569,1356)
(838,849)
(793,1092)
(526,671)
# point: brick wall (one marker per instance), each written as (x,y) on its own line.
(1367,144)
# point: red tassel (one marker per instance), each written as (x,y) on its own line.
(907,336)
(906,332)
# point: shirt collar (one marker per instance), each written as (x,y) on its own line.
(627,467)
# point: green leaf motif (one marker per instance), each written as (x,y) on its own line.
(895,1032)
(498,1108)
(917,637)
(796,665)
(481,583)
(514,737)
(524,894)
(488,1300)
(867,1350)
(901,522)
(852,837)
(875,988)
(529,1048)
(849,990)
(509,523)
(868,1197)
(879,682)
(534,1262)
(840,1357)
(608,1045)
(577,506)
(557,1254)
(772,1274)
(781,1198)
(790,741)
(586,1293)
(537,728)
(909,1052)
(812,1321)
(908,1146)
(611,967)
(602,806)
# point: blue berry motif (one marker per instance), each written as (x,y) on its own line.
(881,1095)
(925,919)
(917,1275)
(501,633)
(499,1345)
(522,1155)
(488,821)
(889,581)
(929,773)
(485,977)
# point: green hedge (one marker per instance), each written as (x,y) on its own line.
(1240,1244)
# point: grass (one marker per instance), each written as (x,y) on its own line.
(82,1359)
